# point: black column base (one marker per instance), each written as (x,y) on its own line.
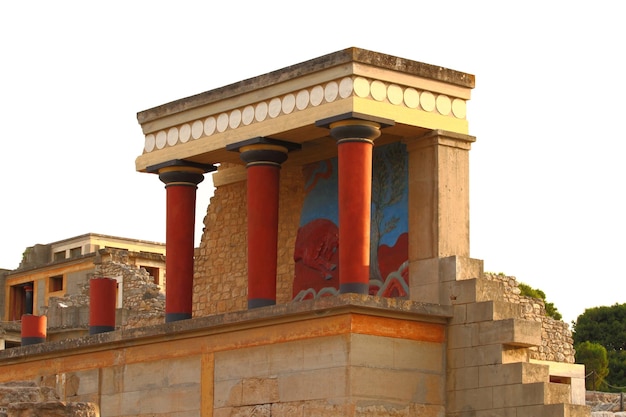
(260,302)
(354,287)
(170,317)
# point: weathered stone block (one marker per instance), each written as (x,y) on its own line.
(394,353)
(517,395)
(515,332)
(492,310)
(328,384)
(463,378)
(512,373)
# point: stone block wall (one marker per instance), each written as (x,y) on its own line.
(347,355)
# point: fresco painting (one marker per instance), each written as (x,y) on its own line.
(316,253)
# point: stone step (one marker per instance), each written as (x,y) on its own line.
(525,395)
(513,373)
(509,332)
(492,310)
(513,332)
(473,290)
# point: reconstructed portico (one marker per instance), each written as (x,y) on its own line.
(336,106)
(334,274)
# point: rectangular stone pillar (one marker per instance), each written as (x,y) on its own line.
(438,208)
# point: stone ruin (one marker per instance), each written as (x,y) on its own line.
(142,301)
(28,399)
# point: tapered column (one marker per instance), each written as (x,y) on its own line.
(355,140)
(263,158)
(181,179)
(102,298)
(34,329)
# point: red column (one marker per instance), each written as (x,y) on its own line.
(181,179)
(263,173)
(33,329)
(102,299)
(355,142)
(263,158)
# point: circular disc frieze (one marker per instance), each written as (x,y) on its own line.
(302,99)
(260,113)
(289,103)
(443,104)
(427,100)
(361,87)
(185,133)
(149,143)
(394,94)
(247,116)
(378,90)
(317,95)
(209,126)
(411,98)
(331,91)
(197,128)
(161,139)
(459,108)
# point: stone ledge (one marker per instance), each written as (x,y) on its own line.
(260,317)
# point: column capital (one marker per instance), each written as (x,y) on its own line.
(263,151)
(350,127)
(181,172)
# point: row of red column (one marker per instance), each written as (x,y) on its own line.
(263,157)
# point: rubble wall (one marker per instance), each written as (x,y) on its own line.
(556,336)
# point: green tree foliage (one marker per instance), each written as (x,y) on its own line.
(595,359)
(551,310)
(607,327)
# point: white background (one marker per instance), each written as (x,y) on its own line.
(548,111)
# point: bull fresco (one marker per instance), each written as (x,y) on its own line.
(317,243)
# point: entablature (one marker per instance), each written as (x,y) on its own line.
(286,104)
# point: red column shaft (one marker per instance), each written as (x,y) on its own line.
(355,192)
(179,247)
(102,299)
(262,194)
(33,329)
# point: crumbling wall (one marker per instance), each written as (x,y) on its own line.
(143,301)
(556,336)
